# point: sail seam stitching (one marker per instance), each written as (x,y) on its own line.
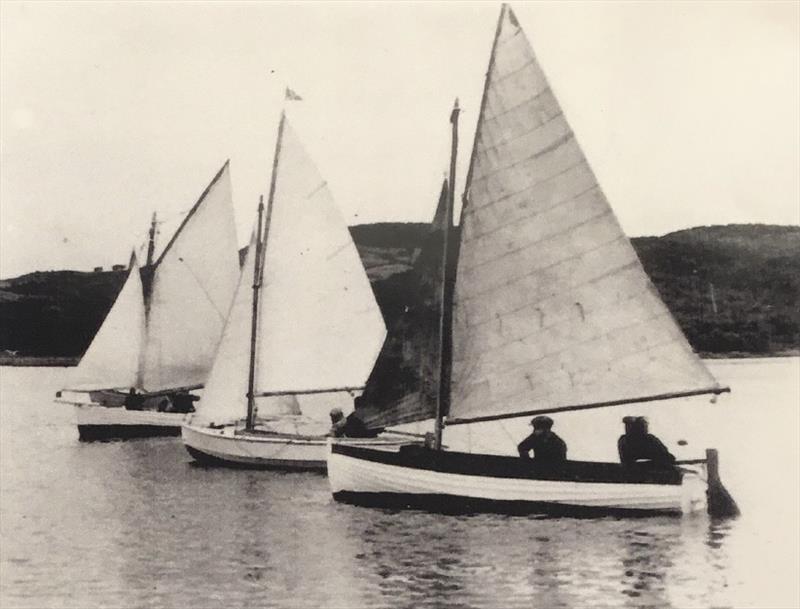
(472,208)
(521,104)
(530,244)
(532,157)
(544,268)
(505,142)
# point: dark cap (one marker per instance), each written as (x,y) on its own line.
(629,420)
(542,422)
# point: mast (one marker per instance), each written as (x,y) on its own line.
(445,310)
(254,318)
(151,242)
(261,243)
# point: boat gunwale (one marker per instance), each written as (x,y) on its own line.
(509,467)
(282,438)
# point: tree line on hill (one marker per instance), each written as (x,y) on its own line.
(733,289)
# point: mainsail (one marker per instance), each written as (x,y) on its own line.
(320,328)
(404,383)
(195,279)
(553,309)
(112,359)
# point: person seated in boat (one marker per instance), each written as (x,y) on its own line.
(348,427)
(637,444)
(182,402)
(547,447)
(134,401)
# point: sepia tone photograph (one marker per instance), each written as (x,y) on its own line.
(399,304)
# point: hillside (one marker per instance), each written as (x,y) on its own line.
(733,289)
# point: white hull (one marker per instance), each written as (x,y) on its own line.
(366,481)
(229,446)
(97,422)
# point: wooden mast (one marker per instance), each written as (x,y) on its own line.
(445,310)
(151,242)
(258,268)
(254,319)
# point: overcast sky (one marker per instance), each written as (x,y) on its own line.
(688,112)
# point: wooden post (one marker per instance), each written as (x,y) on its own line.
(720,502)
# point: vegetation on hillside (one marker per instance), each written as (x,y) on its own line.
(733,289)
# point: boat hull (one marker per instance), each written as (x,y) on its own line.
(450,482)
(229,446)
(116,423)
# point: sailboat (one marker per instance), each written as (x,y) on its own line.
(550,312)
(158,340)
(302,335)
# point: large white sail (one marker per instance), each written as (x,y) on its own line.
(552,306)
(193,287)
(112,359)
(225,395)
(319,325)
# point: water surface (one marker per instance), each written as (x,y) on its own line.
(135,524)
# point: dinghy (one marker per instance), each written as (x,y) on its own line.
(159,337)
(551,312)
(302,336)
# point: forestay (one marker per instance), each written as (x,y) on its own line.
(319,325)
(552,306)
(193,287)
(403,385)
(112,359)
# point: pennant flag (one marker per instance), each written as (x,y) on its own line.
(291,95)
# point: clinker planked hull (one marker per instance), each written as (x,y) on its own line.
(450,482)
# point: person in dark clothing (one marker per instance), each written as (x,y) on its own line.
(547,447)
(134,401)
(182,402)
(636,444)
(349,427)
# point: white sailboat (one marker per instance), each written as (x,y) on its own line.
(302,336)
(160,339)
(552,312)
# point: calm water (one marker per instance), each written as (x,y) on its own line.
(134,524)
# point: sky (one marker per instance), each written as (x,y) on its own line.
(687,111)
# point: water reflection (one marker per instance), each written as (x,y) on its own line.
(134,524)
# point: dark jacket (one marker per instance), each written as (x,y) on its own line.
(643,447)
(547,448)
(353,427)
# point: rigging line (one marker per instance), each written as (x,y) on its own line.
(200,285)
(508,433)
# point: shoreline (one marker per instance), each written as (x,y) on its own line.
(53,361)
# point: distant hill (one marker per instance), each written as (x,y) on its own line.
(733,289)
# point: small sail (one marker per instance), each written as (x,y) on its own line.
(403,385)
(112,359)
(193,287)
(225,395)
(319,325)
(552,306)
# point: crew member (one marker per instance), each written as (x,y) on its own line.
(134,401)
(547,447)
(182,402)
(350,427)
(636,444)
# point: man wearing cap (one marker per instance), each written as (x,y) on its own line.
(547,447)
(636,444)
